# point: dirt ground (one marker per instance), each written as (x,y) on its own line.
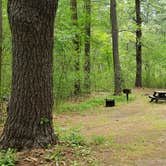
(136,132)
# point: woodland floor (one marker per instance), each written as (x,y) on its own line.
(129,134)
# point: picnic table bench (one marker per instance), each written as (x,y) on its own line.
(158,95)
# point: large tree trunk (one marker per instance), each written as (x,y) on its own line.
(0,47)
(76,43)
(87,64)
(116,61)
(138,81)
(29,121)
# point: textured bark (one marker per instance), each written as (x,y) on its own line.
(138,81)
(0,46)
(116,61)
(87,64)
(76,43)
(29,121)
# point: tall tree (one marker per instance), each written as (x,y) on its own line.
(29,120)
(115,47)
(0,46)
(76,43)
(138,81)
(87,63)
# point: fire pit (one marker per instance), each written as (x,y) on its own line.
(109,102)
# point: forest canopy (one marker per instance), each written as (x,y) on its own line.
(101,77)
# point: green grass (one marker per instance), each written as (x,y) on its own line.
(8,157)
(92,103)
(74,138)
(72,150)
(98,139)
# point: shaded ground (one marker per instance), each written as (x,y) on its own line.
(129,134)
(135,133)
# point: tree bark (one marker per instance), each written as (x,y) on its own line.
(138,81)
(29,120)
(115,47)
(87,63)
(0,47)
(76,43)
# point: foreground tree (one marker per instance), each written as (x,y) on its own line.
(0,47)
(138,81)
(87,64)
(115,47)
(29,120)
(76,43)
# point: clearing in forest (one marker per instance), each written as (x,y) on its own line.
(128,134)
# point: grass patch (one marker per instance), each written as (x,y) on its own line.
(160,125)
(85,105)
(98,139)
(8,157)
(92,103)
(74,138)
(72,150)
(140,148)
(156,120)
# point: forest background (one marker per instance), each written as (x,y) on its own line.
(102,73)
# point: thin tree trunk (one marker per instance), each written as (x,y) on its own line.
(76,42)
(29,120)
(87,64)
(116,61)
(138,82)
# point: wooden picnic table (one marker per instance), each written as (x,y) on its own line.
(158,95)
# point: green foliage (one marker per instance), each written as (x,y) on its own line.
(98,139)
(57,155)
(8,157)
(72,150)
(102,77)
(74,138)
(75,163)
(92,103)
(89,104)
(44,120)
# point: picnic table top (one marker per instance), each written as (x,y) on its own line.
(158,91)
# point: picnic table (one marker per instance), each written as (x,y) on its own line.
(158,95)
